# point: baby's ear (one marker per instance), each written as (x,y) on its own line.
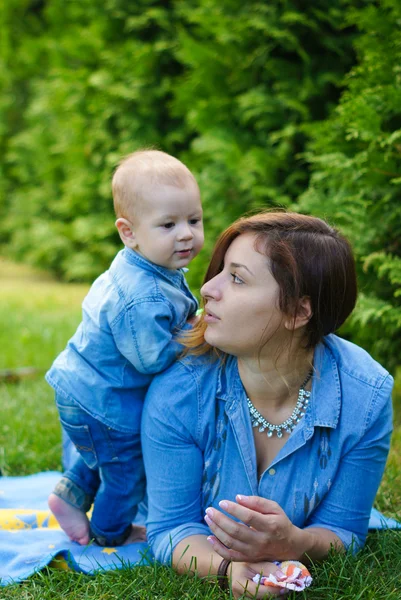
(127,234)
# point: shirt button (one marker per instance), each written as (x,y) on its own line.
(272,471)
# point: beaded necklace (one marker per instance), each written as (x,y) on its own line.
(289,424)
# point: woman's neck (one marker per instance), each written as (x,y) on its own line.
(274,382)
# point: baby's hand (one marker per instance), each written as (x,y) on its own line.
(194,320)
(138,534)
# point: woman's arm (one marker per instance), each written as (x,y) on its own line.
(173,457)
(195,554)
(346,508)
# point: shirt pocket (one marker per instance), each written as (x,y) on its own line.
(81,437)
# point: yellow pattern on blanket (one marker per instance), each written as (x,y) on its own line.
(23,518)
(17,519)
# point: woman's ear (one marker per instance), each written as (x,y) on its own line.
(303,315)
(127,233)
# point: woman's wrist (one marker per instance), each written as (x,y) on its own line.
(301,543)
(222,573)
(314,543)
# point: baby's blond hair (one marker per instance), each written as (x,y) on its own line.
(137,171)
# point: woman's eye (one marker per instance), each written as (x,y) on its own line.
(168,225)
(236,279)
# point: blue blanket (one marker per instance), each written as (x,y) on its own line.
(30,537)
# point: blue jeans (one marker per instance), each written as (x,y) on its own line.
(107,471)
(69,452)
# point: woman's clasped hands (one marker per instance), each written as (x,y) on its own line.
(264,532)
(261,534)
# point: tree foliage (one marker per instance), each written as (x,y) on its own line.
(99,90)
(248,94)
(356,181)
(225,86)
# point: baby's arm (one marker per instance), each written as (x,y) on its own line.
(143,334)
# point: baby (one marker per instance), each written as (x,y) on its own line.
(127,334)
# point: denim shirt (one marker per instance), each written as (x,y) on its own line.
(129,319)
(198,446)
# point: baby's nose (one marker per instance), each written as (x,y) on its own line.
(185,232)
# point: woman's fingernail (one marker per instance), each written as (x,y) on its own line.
(223,504)
(209,511)
(240,497)
(210,540)
(208,521)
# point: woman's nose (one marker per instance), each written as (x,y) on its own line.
(211,289)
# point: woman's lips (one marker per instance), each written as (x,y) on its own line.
(209,317)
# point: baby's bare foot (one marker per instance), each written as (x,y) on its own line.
(74,522)
(138,534)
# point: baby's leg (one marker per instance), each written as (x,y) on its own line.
(74,493)
(73,521)
(121,489)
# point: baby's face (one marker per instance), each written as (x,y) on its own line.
(168,228)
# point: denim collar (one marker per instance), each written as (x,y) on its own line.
(325,402)
(134,258)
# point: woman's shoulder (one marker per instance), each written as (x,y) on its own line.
(195,366)
(359,387)
(355,362)
(182,398)
(189,377)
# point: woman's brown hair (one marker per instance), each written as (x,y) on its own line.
(308,257)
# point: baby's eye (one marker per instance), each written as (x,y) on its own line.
(236,279)
(168,225)
(194,221)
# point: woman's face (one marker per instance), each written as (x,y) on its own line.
(242,302)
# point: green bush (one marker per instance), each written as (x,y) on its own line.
(255,72)
(225,86)
(356,181)
(248,94)
(99,91)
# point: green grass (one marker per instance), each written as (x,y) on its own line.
(38,315)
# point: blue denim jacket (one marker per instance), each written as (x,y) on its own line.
(198,446)
(126,336)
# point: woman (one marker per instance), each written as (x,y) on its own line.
(268,440)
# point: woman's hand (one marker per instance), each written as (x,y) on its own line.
(265,531)
(241,574)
